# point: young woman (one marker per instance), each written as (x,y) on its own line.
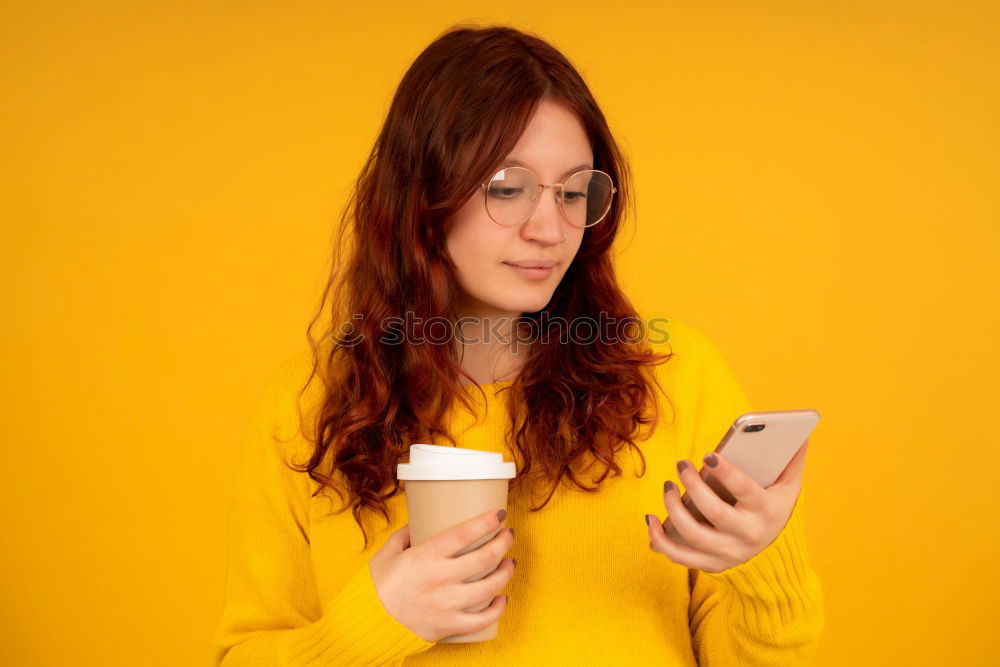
(495,159)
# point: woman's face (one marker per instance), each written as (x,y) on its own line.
(553,146)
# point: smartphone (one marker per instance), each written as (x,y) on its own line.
(761,444)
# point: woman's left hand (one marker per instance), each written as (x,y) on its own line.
(738,532)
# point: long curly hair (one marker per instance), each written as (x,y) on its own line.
(457,113)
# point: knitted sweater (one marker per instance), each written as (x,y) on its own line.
(587,589)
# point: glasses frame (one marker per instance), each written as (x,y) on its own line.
(560,187)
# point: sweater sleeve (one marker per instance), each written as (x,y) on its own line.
(768,610)
(272,615)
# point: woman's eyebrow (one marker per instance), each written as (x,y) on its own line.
(572,170)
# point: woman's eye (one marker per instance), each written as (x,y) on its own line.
(505,193)
(574,196)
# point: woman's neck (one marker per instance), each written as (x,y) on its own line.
(486,348)
(488,365)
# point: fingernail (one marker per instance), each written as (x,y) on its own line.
(501,515)
(711,459)
(668,486)
(649,522)
(682,466)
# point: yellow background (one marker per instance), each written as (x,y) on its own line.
(817,192)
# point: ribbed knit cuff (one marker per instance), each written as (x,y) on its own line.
(355,629)
(780,575)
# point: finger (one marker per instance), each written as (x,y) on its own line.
(484,559)
(706,501)
(793,471)
(469,622)
(695,533)
(401,538)
(468,535)
(681,554)
(481,591)
(747,492)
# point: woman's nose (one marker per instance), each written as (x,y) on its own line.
(546,221)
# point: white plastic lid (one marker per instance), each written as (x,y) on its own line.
(438,462)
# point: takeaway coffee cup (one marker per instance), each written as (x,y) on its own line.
(446,486)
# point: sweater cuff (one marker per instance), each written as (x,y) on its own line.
(780,574)
(355,629)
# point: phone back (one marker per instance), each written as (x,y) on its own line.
(763,453)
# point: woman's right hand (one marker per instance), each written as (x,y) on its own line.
(425,587)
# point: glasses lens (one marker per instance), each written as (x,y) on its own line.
(511,196)
(587,197)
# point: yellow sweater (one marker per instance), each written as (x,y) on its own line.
(587,589)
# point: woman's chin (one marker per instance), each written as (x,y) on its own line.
(529,306)
(518,299)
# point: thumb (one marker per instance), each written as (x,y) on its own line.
(400,539)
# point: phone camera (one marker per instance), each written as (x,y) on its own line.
(754,427)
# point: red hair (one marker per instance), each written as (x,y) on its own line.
(457,113)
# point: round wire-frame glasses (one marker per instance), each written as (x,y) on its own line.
(559,194)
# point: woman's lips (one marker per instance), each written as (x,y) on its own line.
(534,273)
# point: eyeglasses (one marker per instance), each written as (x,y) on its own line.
(514,192)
